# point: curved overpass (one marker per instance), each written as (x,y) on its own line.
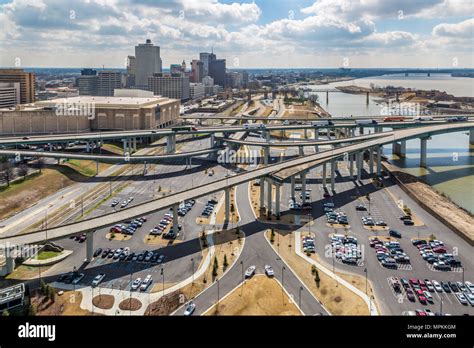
(301,163)
(110,158)
(110,135)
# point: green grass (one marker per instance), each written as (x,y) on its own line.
(43,255)
(18,184)
(82,168)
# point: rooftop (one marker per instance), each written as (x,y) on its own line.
(102,102)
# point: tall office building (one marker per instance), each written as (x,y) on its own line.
(197,70)
(88,82)
(196,90)
(26,81)
(147,62)
(217,71)
(173,86)
(108,81)
(9,94)
(206,58)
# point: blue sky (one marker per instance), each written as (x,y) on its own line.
(249,34)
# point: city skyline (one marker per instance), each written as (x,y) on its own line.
(260,34)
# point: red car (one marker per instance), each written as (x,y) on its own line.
(413,281)
(420,313)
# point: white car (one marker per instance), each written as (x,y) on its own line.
(250,271)
(462,299)
(470,286)
(98,279)
(189,309)
(437,286)
(136,283)
(269,270)
(146,282)
(470,298)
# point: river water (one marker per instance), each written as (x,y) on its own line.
(450,157)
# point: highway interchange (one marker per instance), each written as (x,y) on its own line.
(183,181)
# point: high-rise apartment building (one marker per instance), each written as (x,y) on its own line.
(217,71)
(147,62)
(206,58)
(108,81)
(88,82)
(197,70)
(26,81)
(9,94)
(169,85)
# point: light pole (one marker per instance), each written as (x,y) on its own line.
(462,268)
(441,305)
(163,279)
(192,261)
(217,280)
(365,271)
(299,301)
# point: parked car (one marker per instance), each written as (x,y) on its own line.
(136,283)
(146,282)
(97,252)
(395,234)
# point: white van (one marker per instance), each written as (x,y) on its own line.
(146,282)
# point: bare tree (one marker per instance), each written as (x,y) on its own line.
(23,171)
(40,163)
(6,172)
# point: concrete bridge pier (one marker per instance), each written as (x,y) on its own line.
(266,135)
(324,175)
(269,197)
(293,187)
(303,187)
(266,154)
(316,136)
(361,130)
(379,160)
(371,161)
(134,144)
(89,246)
(399,149)
(333,174)
(212,139)
(171,143)
(327,97)
(227,204)
(277,200)
(262,193)
(471,136)
(423,151)
(301,151)
(351,165)
(305,133)
(360,163)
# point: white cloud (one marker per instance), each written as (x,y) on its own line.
(461,30)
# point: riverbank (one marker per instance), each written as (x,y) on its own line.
(450,214)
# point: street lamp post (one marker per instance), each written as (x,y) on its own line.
(163,279)
(365,271)
(299,301)
(217,280)
(192,261)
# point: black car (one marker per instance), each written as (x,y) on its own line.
(405,217)
(97,252)
(105,253)
(395,234)
(130,256)
(408,222)
(453,286)
(416,242)
(445,286)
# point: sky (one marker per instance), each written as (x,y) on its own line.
(249,34)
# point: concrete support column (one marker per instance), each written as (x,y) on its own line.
(88,147)
(96,167)
(471,136)
(134,144)
(359,165)
(227,204)
(403,149)
(277,200)
(301,151)
(324,175)
(170,143)
(333,174)
(89,246)
(353,131)
(316,136)
(262,193)
(423,151)
(266,155)
(175,219)
(212,140)
(303,187)
(371,161)
(269,197)
(379,160)
(351,165)
(361,130)
(293,187)
(9,262)
(306,133)
(266,134)
(124,146)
